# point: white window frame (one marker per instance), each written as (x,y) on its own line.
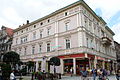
(67,42)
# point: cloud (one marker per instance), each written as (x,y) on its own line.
(16,12)
(109,7)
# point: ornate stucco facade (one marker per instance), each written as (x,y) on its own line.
(74,33)
(6,35)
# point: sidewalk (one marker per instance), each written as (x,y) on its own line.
(69,78)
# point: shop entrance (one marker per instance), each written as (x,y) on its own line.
(80,64)
(68,64)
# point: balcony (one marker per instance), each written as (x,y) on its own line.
(106,41)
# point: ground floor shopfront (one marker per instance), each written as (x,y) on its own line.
(76,62)
(86,61)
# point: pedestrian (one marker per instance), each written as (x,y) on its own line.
(71,71)
(118,74)
(94,73)
(100,74)
(84,74)
(12,76)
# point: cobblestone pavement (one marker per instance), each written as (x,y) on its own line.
(69,78)
(79,78)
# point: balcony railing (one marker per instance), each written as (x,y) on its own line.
(106,41)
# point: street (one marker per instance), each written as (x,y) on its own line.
(70,78)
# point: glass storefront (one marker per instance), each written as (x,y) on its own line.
(68,64)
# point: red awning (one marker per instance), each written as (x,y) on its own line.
(81,55)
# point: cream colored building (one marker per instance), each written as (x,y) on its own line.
(74,33)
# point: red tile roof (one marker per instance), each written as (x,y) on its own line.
(9,31)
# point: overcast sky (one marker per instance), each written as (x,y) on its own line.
(15,12)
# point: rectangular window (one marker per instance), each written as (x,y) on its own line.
(86,22)
(48,32)
(34,35)
(16,40)
(66,26)
(25,50)
(40,48)
(48,47)
(19,51)
(87,42)
(40,34)
(33,49)
(67,43)
(23,39)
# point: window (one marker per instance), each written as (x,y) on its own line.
(20,51)
(34,26)
(40,48)
(85,22)
(66,13)
(66,26)
(48,31)
(40,34)
(22,31)
(48,20)
(16,40)
(87,41)
(102,33)
(25,50)
(23,39)
(41,23)
(26,29)
(67,43)
(48,47)
(33,49)
(34,35)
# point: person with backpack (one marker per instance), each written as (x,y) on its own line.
(94,73)
(84,74)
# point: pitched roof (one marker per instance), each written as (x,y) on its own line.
(9,31)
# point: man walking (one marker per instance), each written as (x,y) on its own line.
(84,74)
(94,73)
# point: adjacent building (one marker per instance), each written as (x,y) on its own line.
(6,35)
(117,47)
(74,33)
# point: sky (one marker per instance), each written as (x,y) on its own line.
(15,12)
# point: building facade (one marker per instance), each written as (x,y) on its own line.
(117,47)
(74,33)
(6,35)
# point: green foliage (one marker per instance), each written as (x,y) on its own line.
(24,71)
(55,61)
(6,70)
(11,58)
(30,64)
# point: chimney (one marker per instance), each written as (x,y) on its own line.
(27,21)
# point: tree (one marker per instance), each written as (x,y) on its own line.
(11,58)
(6,70)
(30,64)
(55,61)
